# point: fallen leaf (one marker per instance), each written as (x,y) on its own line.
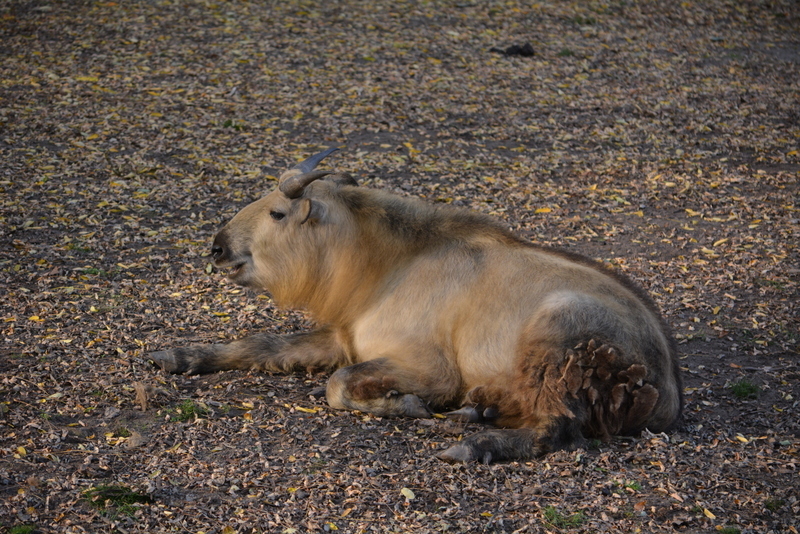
(408,494)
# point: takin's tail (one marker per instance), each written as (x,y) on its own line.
(558,401)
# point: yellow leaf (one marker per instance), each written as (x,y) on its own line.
(228,530)
(708,513)
(87,79)
(486,514)
(36,319)
(658,464)
(543,210)
(411,148)
(716,310)
(692,213)
(720,241)
(21,451)
(305,410)
(408,494)
(742,438)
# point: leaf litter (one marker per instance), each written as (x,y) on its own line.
(660,139)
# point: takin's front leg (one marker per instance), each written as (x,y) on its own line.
(263,352)
(377,387)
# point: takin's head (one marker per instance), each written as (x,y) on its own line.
(278,241)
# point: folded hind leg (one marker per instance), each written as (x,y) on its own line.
(556,401)
(540,416)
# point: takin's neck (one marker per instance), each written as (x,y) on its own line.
(389,233)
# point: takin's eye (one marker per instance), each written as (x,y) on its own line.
(277,215)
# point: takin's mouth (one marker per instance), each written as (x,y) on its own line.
(237,269)
(233,269)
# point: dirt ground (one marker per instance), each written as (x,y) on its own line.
(661,138)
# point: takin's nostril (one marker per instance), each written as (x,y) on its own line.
(216,251)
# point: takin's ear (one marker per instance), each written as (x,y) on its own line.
(311,210)
(341,178)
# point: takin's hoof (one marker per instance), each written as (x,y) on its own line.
(496,445)
(414,407)
(167,361)
(191,360)
(469,414)
(465,414)
(462,454)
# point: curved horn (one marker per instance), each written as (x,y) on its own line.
(308,165)
(293,186)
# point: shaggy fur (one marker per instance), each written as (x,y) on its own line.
(428,307)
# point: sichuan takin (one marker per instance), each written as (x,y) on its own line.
(425,307)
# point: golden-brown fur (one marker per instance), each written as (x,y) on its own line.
(428,307)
